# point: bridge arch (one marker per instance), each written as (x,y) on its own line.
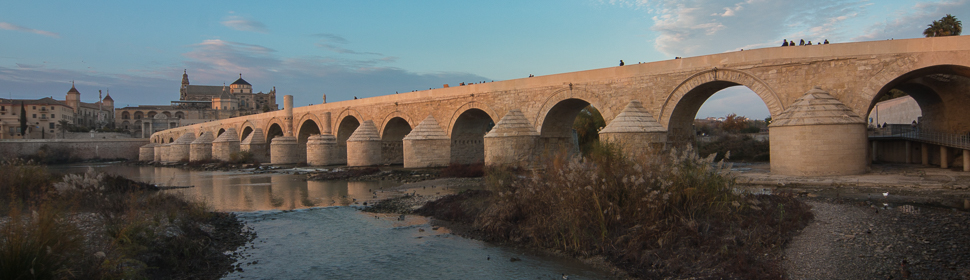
(938,87)
(467,129)
(395,126)
(245,129)
(272,131)
(590,97)
(348,122)
(308,117)
(492,116)
(681,105)
(391,116)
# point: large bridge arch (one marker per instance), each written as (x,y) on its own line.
(392,131)
(302,120)
(245,129)
(346,123)
(467,128)
(484,108)
(271,131)
(939,90)
(389,117)
(558,96)
(681,105)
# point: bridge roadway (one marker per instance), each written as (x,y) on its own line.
(815,94)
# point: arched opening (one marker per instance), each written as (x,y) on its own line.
(722,116)
(170,140)
(274,131)
(468,136)
(562,124)
(924,103)
(307,129)
(245,132)
(125,115)
(221,130)
(392,141)
(151,114)
(179,115)
(139,115)
(347,127)
(167,115)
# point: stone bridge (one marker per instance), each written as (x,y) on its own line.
(816,95)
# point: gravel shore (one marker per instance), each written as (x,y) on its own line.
(852,239)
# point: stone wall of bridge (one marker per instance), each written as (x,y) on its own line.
(670,92)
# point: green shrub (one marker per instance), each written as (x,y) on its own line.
(740,148)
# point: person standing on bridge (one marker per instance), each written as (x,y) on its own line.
(621,62)
(784,43)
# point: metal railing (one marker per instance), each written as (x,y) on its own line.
(953,140)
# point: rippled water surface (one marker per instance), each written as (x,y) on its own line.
(314,230)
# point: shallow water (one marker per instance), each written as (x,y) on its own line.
(314,230)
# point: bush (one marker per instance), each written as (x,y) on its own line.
(42,245)
(24,182)
(674,215)
(739,148)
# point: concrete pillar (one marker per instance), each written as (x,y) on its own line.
(283,150)
(925,154)
(322,150)
(966,160)
(227,145)
(513,141)
(818,136)
(180,150)
(201,148)
(944,157)
(428,145)
(147,152)
(635,131)
(909,152)
(255,144)
(364,146)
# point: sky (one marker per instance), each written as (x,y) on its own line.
(137,50)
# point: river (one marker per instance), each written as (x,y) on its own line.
(315,230)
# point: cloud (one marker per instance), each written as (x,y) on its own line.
(697,27)
(307,77)
(244,24)
(911,21)
(14,27)
(331,38)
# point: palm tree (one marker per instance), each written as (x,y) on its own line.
(946,26)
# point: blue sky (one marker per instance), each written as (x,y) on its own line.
(138,49)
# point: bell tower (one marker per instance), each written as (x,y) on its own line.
(185,85)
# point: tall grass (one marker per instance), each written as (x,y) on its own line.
(131,231)
(41,245)
(676,214)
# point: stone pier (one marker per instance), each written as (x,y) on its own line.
(147,152)
(635,131)
(364,146)
(255,144)
(181,149)
(512,141)
(227,145)
(427,145)
(818,136)
(321,150)
(201,148)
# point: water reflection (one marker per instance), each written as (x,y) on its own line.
(246,191)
